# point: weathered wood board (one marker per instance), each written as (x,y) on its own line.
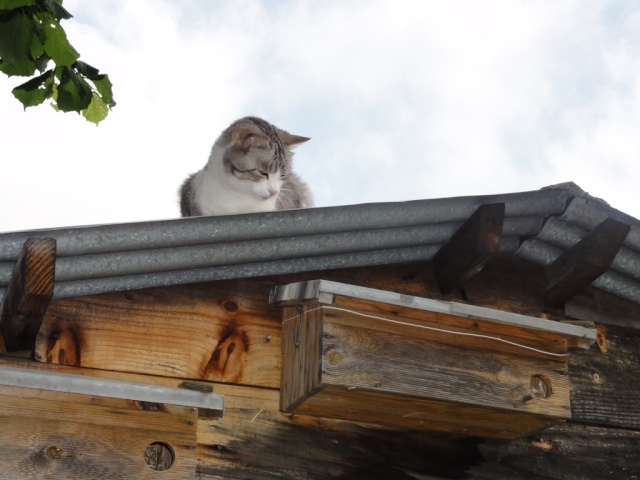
(56,435)
(254,440)
(28,295)
(373,362)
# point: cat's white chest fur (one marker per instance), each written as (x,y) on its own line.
(220,194)
(249,170)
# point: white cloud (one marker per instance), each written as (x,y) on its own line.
(402,99)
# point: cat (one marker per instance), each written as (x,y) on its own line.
(249,170)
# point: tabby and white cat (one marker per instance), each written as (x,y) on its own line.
(249,170)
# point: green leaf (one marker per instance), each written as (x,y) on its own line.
(74,93)
(23,68)
(42,62)
(36,48)
(16,35)
(36,90)
(100,80)
(87,70)
(97,110)
(103,85)
(13,4)
(58,11)
(57,46)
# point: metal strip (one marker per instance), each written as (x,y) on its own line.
(106,387)
(309,291)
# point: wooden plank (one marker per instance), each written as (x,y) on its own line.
(604,386)
(255,441)
(403,412)
(470,247)
(235,332)
(584,262)
(223,331)
(56,435)
(194,332)
(301,368)
(565,451)
(28,294)
(398,370)
(361,352)
(516,337)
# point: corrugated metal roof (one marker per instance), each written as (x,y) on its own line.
(538,226)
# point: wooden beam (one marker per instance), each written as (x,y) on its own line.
(28,294)
(470,248)
(219,333)
(300,446)
(584,262)
(57,435)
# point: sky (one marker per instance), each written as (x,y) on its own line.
(402,100)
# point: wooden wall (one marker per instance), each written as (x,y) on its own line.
(148,335)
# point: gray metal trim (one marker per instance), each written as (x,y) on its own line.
(106,387)
(311,290)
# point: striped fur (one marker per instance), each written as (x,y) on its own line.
(249,170)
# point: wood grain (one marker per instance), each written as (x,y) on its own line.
(54,435)
(195,332)
(408,362)
(302,359)
(404,368)
(254,440)
(28,295)
(605,386)
(565,451)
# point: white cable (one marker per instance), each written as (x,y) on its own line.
(435,329)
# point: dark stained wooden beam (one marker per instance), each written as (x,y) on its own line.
(470,248)
(584,262)
(28,294)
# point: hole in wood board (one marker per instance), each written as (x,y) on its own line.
(159,456)
(540,386)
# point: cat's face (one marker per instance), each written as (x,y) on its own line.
(257,157)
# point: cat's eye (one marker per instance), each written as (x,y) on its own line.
(264,174)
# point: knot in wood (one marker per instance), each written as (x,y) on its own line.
(335,357)
(54,453)
(230,306)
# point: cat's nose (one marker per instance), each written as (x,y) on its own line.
(273,191)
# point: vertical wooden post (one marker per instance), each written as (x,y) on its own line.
(28,295)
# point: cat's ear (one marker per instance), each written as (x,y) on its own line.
(248,138)
(293,141)
(254,140)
